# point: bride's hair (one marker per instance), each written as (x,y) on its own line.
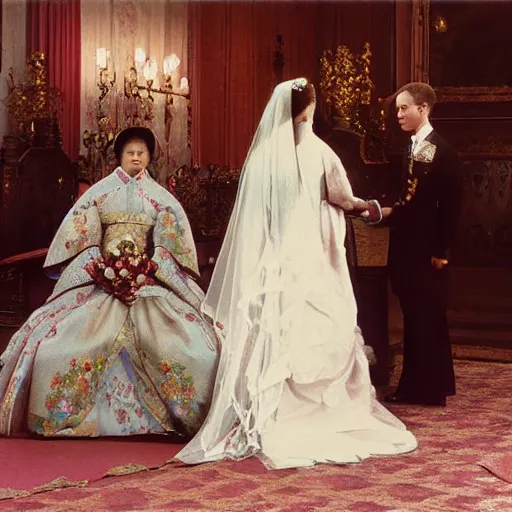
(302,97)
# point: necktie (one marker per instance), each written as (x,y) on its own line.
(414,143)
(411,181)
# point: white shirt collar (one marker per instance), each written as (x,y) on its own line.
(423,132)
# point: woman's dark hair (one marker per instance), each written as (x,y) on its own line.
(134,133)
(302,97)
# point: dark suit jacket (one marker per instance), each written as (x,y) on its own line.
(425,226)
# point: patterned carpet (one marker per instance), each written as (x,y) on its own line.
(442,475)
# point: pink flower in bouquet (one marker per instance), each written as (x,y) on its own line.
(125,272)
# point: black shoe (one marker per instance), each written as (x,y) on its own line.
(396,398)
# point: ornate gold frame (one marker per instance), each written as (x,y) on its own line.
(420,65)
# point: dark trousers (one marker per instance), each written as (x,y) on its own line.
(428,365)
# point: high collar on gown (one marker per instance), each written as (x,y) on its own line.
(302,131)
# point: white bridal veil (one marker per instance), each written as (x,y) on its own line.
(260,260)
(276,297)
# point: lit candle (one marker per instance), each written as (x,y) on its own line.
(150,70)
(101,58)
(184,83)
(140,56)
(171,63)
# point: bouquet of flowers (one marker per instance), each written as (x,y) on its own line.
(123,271)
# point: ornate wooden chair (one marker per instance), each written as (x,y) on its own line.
(38,186)
(207,195)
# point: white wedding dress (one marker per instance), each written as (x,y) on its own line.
(293,384)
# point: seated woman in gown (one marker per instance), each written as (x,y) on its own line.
(121,346)
(293,385)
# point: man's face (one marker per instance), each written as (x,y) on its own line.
(410,116)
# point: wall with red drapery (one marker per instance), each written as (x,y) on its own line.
(53,26)
(232,76)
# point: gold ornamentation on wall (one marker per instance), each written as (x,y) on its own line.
(207,196)
(347,91)
(347,88)
(32,98)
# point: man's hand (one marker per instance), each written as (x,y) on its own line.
(438,263)
(386,211)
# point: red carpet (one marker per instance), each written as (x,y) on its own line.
(500,466)
(44,464)
(444,475)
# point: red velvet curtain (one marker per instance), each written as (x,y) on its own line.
(53,26)
(232,70)
(232,74)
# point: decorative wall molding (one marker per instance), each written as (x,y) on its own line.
(473,94)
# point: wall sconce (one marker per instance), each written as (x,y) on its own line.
(107,78)
(171,64)
(139,88)
(149,70)
(97,142)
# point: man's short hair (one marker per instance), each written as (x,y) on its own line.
(420,92)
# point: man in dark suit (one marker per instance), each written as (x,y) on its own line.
(423,225)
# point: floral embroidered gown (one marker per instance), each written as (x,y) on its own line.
(95,362)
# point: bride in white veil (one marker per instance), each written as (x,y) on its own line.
(293,384)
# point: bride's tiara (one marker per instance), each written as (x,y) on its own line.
(299,84)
